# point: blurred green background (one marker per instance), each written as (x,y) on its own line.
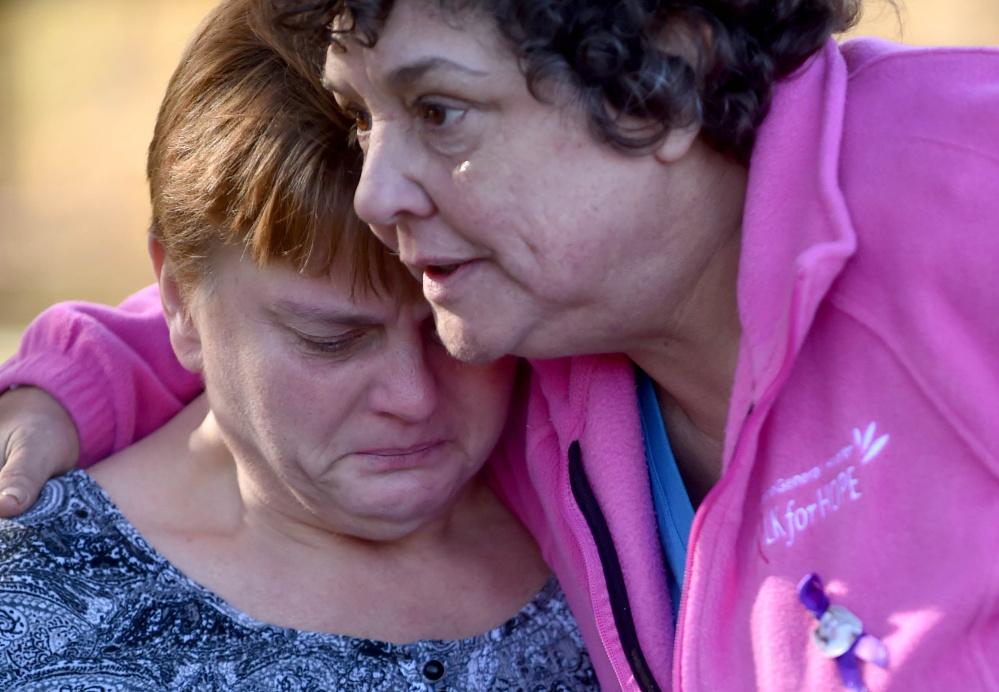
(80,83)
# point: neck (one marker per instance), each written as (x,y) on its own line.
(694,361)
(691,351)
(693,373)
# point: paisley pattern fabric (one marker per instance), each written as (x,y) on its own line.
(86,605)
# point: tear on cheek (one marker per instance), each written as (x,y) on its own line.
(462,172)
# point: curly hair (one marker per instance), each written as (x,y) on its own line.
(659,63)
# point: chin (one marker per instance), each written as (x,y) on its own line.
(464,342)
(406,506)
(470,352)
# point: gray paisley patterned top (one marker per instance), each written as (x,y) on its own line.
(86,605)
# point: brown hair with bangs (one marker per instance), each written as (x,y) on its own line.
(250,150)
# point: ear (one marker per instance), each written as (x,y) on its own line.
(677,143)
(690,39)
(184,335)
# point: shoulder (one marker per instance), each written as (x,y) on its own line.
(918,166)
(53,587)
(886,75)
(878,57)
(73,535)
(52,514)
(934,109)
(920,155)
(72,548)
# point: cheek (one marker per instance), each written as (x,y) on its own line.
(529,223)
(482,395)
(283,414)
(232,365)
(387,235)
(249,382)
(487,196)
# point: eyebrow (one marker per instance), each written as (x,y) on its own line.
(317,315)
(405,74)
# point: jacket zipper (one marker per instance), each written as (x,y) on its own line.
(613,575)
(752,417)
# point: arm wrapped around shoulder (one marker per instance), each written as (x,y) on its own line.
(91,379)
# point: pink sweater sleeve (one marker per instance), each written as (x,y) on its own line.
(113,369)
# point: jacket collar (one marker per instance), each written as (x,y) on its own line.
(797,233)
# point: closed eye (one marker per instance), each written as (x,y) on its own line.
(339,346)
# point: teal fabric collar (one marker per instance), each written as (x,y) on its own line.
(674,511)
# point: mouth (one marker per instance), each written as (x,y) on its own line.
(421,269)
(401,458)
(439,271)
(444,283)
(418,448)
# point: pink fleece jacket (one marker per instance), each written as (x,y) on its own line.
(862,442)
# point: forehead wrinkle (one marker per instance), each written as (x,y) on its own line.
(404,75)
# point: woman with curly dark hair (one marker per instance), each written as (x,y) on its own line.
(794,242)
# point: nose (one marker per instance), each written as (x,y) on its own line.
(407,386)
(390,189)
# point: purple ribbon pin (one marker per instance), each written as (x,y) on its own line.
(840,634)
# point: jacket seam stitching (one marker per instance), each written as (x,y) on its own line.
(938,402)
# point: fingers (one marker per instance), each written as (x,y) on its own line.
(18,486)
(30,460)
(37,441)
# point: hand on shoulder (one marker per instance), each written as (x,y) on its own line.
(38,440)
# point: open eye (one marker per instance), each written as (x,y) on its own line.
(361,118)
(438,114)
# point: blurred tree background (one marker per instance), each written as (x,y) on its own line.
(80,83)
